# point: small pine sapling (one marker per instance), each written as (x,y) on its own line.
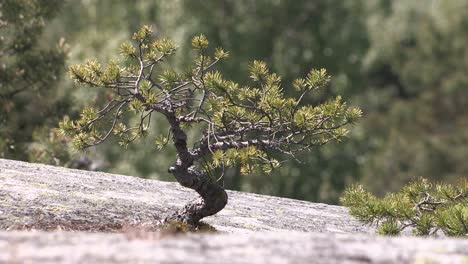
(239,124)
(420,205)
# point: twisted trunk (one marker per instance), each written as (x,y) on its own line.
(213,198)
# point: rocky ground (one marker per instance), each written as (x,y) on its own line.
(56,215)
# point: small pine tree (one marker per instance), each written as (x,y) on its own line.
(238,124)
(420,205)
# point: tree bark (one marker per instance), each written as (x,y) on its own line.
(213,197)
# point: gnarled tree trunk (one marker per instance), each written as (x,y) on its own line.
(213,197)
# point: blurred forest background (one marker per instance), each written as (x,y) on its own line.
(404,62)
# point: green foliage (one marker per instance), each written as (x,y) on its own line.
(220,54)
(294,36)
(420,205)
(389,227)
(30,103)
(410,81)
(48,147)
(143,34)
(241,125)
(415,117)
(127,50)
(161,141)
(163,46)
(200,42)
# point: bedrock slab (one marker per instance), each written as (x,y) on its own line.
(42,196)
(256,247)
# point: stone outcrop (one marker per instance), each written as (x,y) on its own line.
(36,195)
(258,247)
(251,229)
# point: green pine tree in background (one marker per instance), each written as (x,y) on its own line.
(420,205)
(416,99)
(30,103)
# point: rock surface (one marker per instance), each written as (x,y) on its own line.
(253,228)
(259,247)
(46,196)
